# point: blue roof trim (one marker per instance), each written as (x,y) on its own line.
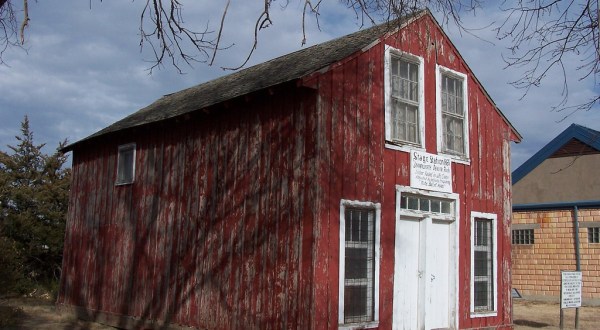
(586,135)
(554,206)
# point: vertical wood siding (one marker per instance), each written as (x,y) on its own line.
(215,232)
(355,165)
(233,221)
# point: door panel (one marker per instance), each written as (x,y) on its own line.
(406,280)
(423,281)
(436,282)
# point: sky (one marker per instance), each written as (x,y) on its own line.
(82,67)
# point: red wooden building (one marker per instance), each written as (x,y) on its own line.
(359,183)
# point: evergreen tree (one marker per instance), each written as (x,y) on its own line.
(34,190)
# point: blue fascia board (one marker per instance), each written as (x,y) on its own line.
(555,206)
(586,135)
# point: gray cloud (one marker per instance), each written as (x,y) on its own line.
(84,68)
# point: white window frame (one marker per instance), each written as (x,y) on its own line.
(494,219)
(439,72)
(389,143)
(342,262)
(123,148)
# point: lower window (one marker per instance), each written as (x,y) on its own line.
(483,264)
(359,264)
(594,235)
(523,237)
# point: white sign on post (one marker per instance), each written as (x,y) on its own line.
(570,289)
(430,172)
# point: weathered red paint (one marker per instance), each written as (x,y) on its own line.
(233,219)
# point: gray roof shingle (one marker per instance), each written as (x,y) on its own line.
(273,72)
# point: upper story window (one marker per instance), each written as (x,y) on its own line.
(126,164)
(452,105)
(404,105)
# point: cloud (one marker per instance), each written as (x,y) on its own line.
(531,112)
(84,68)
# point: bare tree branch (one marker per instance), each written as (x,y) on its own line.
(8,28)
(263,22)
(167,26)
(220,32)
(25,21)
(545,35)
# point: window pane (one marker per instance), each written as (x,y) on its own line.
(435,206)
(424,204)
(446,207)
(482,263)
(355,303)
(453,137)
(482,296)
(125,164)
(413,203)
(356,263)
(482,233)
(357,225)
(404,122)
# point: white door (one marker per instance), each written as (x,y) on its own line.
(424,280)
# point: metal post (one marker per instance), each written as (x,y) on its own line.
(577,254)
(562,316)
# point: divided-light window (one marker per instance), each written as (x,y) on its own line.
(483,264)
(359,265)
(522,237)
(594,235)
(452,113)
(126,164)
(405,100)
(404,104)
(425,204)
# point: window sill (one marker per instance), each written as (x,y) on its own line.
(369,325)
(118,184)
(475,315)
(456,158)
(403,147)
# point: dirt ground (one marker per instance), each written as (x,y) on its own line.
(546,315)
(37,313)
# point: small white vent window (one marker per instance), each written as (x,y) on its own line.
(126,164)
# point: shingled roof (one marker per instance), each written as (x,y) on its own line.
(271,73)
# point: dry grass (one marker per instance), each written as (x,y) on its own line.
(39,313)
(546,315)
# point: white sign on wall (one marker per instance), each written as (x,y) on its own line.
(431,172)
(570,289)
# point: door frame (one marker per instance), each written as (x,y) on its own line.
(453,220)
